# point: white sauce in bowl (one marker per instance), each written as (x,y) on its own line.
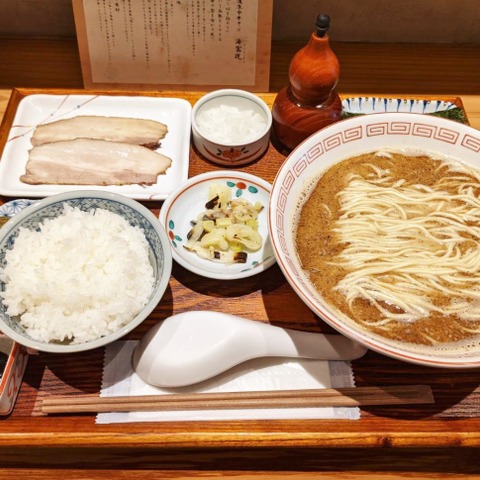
(230,125)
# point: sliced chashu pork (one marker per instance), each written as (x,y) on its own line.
(114,129)
(93,162)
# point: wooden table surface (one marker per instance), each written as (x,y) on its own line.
(439,441)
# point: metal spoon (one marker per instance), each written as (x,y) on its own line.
(193,346)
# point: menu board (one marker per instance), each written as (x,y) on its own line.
(174,44)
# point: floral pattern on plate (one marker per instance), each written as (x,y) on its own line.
(13,207)
(354,106)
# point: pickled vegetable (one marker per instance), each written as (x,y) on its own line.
(227,230)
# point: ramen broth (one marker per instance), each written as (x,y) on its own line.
(393,241)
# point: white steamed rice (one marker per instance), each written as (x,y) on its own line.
(82,276)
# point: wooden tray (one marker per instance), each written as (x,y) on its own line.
(453,421)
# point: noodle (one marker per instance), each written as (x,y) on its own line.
(403,251)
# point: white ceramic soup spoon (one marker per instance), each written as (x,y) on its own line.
(193,346)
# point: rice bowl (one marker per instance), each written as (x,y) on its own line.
(75,305)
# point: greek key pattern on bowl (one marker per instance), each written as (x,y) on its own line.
(418,129)
(472,143)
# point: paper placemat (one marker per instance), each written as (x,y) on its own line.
(258,374)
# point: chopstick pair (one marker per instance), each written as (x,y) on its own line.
(325,397)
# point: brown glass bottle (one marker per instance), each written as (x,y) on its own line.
(310,101)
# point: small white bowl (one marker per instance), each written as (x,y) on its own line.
(187,201)
(30,216)
(227,109)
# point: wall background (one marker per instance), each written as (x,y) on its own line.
(416,21)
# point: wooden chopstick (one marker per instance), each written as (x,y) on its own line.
(325,397)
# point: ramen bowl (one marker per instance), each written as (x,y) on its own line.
(340,141)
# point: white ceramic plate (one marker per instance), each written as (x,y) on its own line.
(38,109)
(188,200)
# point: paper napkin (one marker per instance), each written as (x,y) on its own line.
(258,374)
